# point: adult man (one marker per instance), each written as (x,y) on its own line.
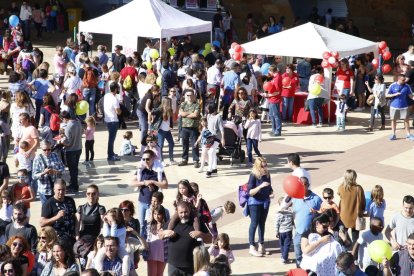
(4,176)
(183,240)
(190,114)
(214,78)
(130,88)
(304,210)
(346,266)
(399,92)
(218,26)
(21,227)
(148,183)
(28,133)
(294,164)
(118,59)
(59,212)
(304,72)
(274,98)
(73,148)
(402,262)
(25,15)
(112,263)
(402,224)
(111,112)
(47,166)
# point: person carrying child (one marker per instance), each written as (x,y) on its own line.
(284,227)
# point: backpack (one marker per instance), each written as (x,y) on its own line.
(54,121)
(28,65)
(207,138)
(83,246)
(127,85)
(243,194)
(89,79)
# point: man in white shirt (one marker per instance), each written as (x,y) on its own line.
(25,15)
(214,77)
(111,112)
(294,164)
(409,55)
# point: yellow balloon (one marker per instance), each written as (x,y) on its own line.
(82,108)
(315,89)
(171,51)
(159,81)
(148,64)
(379,249)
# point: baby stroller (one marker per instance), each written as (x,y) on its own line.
(232,148)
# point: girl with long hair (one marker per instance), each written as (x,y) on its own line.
(158,249)
(163,121)
(21,105)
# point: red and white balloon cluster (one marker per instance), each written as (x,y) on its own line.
(330,59)
(236,51)
(386,55)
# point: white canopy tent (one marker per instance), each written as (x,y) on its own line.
(146,18)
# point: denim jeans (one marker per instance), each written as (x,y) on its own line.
(258,215)
(287,108)
(112,129)
(381,112)
(143,124)
(43,198)
(340,122)
(72,159)
(285,240)
(218,34)
(38,104)
(316,104)
(142,209)
(162,135)
(189,136)
(89,95)
(274,116)
(252,143)
(298,249)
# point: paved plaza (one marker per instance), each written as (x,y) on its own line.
(324,152)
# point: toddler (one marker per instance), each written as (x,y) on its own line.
(23,162)
(127,148)
(254,135)
(89,140)
(217,213)
(284,227)
(328,203)
(222,247)
(377,204)
(341,108)
(209,144)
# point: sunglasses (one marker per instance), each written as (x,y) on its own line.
(146,159)
(21,177)
(327,197)
(46,149)
(17,244)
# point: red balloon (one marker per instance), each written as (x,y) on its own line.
(382,45)
(326,55)
(294,187)
(335,65)
(386,55)
(325,64)
(375,63)
(234,44)
(335,54)
(238,48)
(268,86)
(31,259)
(386,68)
(319,79)
(237,56)
(286,81)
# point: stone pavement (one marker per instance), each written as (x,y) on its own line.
(324,152)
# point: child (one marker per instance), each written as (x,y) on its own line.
(21,192)
(228,208)
(328,203)
(157,258)
(202,210)
(209,143)
(341,108)
(284,227)
(254,135)
(6,211)
(222,247)
(127,148)
(360,250)
(152,145)
(156,200)
(264,107)
(99,243)
(23,162)
(114,226)
(89,140)
(377,205)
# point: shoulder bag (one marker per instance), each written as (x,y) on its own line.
(360,222)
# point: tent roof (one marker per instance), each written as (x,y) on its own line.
(310,40)
(146,18)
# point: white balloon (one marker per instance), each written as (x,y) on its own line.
(231,52)
(331,60)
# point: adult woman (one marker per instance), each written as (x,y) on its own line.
(288,92)
(260,192)
(70,105)
(319,248)
(47,237)
(11,268)
(46,111)
(7,41)
(379,101)
(163,121)
(201,260)
(63,260)
(128,211)
(143,110)
(352,203)
(241,104)
(89,216)
(215,122)
(337,229)
(316,101)
(400,67)
(345,79)
(21,105)
(15,84)
(359,83)
(18,245)
(4,254)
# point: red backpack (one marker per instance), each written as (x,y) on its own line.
(54,121)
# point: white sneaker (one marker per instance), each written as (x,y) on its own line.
(172,163)
(164,164)
(200,170)
(254,252)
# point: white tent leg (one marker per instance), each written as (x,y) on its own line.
(328,84)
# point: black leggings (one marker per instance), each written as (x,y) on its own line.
(89,148)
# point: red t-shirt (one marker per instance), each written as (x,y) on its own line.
(290,92)
(276,89)
(345,77)
(131,71)
(20,193)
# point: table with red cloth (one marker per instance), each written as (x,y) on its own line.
(300,116)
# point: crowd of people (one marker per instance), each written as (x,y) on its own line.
(218,104)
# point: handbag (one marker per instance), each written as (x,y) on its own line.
(370,100)
(360,222)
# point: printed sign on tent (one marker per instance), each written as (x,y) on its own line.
(191,4)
